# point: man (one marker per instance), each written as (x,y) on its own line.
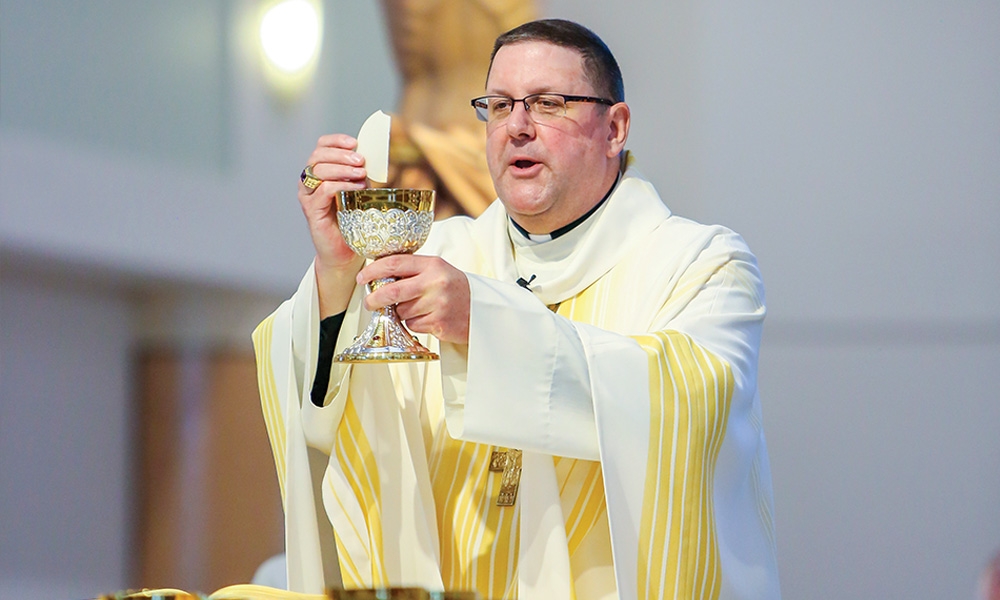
(587,336)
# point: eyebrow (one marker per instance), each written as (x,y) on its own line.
(534,90)
(546,90)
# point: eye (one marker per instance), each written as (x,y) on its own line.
(500,105)
(547,104)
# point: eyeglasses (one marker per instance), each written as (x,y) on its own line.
(541,107)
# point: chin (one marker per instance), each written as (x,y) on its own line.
(524,205)
(524,198)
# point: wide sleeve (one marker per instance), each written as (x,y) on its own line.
(526,377)
(522,380)
(281,343)
(286,344)
(706,525)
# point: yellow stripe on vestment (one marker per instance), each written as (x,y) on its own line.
(690,392)
(479,539)
(350,573)
(269,403)
(357,461)
(581,490)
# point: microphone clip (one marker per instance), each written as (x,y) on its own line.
(521,282)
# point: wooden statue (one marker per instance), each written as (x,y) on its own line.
(442,49)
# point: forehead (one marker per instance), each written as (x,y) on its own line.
(530,67)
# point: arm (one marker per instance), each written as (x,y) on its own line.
(522,381)
(338,168)
(529,378)
(294,361)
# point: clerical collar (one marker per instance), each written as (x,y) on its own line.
(545,237)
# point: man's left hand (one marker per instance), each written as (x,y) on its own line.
(431,296)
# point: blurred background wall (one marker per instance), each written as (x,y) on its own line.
(148,214)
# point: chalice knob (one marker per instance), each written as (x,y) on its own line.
(378,222)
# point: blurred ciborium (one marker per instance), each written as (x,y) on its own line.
(378,222)
(398,593)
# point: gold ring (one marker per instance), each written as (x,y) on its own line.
(308,179)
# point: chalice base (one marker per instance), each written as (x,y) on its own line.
(385,339)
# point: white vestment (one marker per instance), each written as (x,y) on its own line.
(628,377)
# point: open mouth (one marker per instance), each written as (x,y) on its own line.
(524,164)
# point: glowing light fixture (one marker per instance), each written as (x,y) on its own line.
(291,34)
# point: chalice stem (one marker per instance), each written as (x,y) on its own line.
(385,338)
(388,330)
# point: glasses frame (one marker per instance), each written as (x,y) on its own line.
(481,104)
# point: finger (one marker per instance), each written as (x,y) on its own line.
(423,324)
(337,140)
(336,144)
(416,300)
(408,310)
(323,194)
(447,326)
(343,167)
(424,308)
(327,171)
(404,291)
(335,156)
(334,159)
(397,265)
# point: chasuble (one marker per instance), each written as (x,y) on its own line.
(623,379)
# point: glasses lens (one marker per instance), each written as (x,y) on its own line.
(494,109)
(482,109)
(499,108)
(546,105)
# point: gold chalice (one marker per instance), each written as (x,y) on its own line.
(377,222)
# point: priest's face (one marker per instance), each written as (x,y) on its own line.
(549,172)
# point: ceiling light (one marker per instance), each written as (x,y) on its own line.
(291,35)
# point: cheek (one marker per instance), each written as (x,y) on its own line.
(494,154)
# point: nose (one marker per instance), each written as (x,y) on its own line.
(520,123)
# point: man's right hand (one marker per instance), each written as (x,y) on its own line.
(338,167)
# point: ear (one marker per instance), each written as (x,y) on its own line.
(619,119)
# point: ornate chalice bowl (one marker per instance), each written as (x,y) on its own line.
(378,222)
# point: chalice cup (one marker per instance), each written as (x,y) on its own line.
(378,222)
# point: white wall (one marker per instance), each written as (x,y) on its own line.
(854,145)
(885,463)
(65,505)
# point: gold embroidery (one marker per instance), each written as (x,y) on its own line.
(507,460)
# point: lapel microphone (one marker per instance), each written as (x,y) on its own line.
(521,282)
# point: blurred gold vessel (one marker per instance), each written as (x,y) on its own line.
(399,593)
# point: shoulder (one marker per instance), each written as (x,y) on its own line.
(673,230)
(677,244)
(681,231)
(696,259)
